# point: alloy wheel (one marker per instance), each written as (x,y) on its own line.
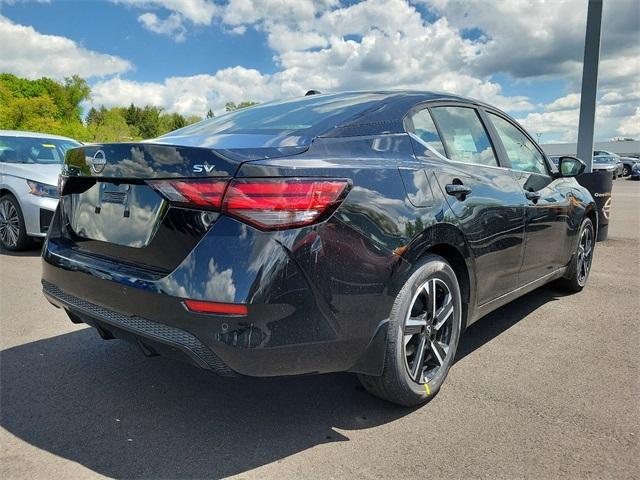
(428,329)
(585,254)
(9,224)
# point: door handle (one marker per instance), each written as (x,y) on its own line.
(533,196)
(457,190)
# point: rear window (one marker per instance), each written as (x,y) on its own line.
(34,150)
(303,116)
(603,160)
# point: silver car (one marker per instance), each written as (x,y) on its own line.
(605,163)
(599,157)
(29,167)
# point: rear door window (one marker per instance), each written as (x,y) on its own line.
(464,135)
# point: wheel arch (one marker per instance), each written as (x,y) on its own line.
(7,190)
(447,241)
(592,214)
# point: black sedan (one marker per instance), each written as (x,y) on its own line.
(357,232)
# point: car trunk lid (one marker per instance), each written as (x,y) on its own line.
(111,205)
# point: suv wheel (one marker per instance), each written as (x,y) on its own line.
(423,334)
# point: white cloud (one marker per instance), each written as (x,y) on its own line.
(375,44)
(26,52)
(542,40)
(172,25)
(194,94)
(387,44)
(200,12)
(630,126)
(568,102)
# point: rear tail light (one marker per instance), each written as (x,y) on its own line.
(205,193)
(275,204)
(267,204)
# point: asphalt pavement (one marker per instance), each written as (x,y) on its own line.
(546,387)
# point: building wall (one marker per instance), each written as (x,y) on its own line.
(624,148)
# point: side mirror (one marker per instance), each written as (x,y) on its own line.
(570,166)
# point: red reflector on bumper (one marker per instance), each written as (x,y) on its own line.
(214,307)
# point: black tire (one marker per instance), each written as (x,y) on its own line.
(626,171)
(11,219)
(397,384)
(580,265)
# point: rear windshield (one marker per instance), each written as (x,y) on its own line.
(602,159)
(34,150)
(304,116)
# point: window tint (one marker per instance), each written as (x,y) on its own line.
(425,130)
(521,151)
(466,139)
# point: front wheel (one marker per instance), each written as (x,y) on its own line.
(626,171)
(13,234)
(580,265)
(423,335)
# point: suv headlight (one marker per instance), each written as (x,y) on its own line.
(42,189)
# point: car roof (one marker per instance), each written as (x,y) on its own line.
(387,114)
(413,97)
(25,134)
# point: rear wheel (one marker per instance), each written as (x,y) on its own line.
(626,171)
(13,234)
(424,329)
(580,265)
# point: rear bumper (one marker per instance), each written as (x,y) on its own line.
(152,337)
(297,322)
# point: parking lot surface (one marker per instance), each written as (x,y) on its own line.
(546,387)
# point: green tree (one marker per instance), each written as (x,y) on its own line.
(171,121)
(111,127)
(49,106)
(230,106)
(21,113)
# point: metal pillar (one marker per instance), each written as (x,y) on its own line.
(589,83)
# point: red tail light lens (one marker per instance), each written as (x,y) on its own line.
(200,192)
(267,204)
(199,306)
(276,204)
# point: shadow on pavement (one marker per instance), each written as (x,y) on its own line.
(489,327)
(104,405)
(107,407)
(32,252)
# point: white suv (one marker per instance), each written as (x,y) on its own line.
(29,167)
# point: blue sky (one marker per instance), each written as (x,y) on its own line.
(191,55)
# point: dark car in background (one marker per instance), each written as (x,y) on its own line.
(357,232)
(627,165)
(635,171)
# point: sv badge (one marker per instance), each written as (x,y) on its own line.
(203,168)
